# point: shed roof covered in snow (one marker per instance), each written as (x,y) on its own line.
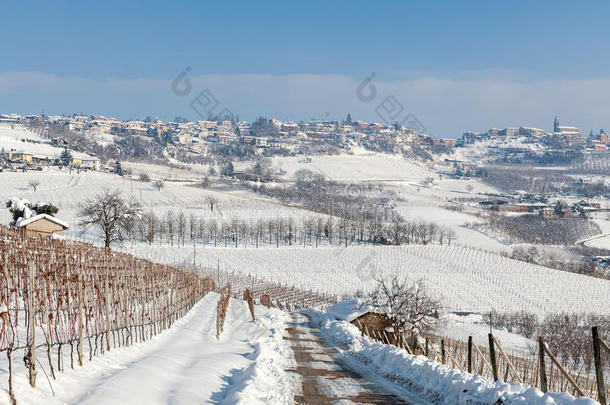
(41,217)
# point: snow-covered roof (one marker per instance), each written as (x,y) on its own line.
(24,222)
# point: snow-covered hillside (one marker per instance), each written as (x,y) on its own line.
(466,279)
(67,190)
(357,168)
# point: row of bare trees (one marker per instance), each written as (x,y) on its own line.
(180,229)
(117,219)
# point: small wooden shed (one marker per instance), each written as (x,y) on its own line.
(42,225)
(373,321)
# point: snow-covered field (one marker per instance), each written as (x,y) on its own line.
(421,209)
(466,279)
(20,139)
(357,168)
(67,190)
(405,177)
(16,139)
(601,241)
(181,171)
(182,365)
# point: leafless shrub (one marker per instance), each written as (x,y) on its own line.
(34,184)
(144,177)
(523,323)
(408,306)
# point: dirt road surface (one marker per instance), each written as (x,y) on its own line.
(325,378)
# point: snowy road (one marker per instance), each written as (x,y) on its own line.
(191,368)
(325,379)
(183,365)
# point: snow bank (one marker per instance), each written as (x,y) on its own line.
(266,381)
(431,381)
(347,310)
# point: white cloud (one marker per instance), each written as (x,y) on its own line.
(446,106)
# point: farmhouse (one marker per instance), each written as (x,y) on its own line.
(19,156)
(512,208)
(42,225)
(91,162)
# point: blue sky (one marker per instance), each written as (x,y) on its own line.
(455,65)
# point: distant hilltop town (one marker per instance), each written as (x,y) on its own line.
(268,136)
(89,141)
(569,136)
(222,131)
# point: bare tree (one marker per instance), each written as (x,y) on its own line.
(152,224)
(211,202)
(201,229)
(409,307)
(234,225)
(213,230)
(110,214)
(259,229)
(158,184)
(34,184)
(181,227)
(192,221)
(170,225)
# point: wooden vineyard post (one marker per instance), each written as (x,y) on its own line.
(359,326)
(107,308)
(492,355)
(563,371)
(443,357)
(126,323)
(11,395)
(154,306)
(250,300)
(81,301)
(543,382)
(31,355)
(509,364)
(404,343)
(470,354)
(599,371)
